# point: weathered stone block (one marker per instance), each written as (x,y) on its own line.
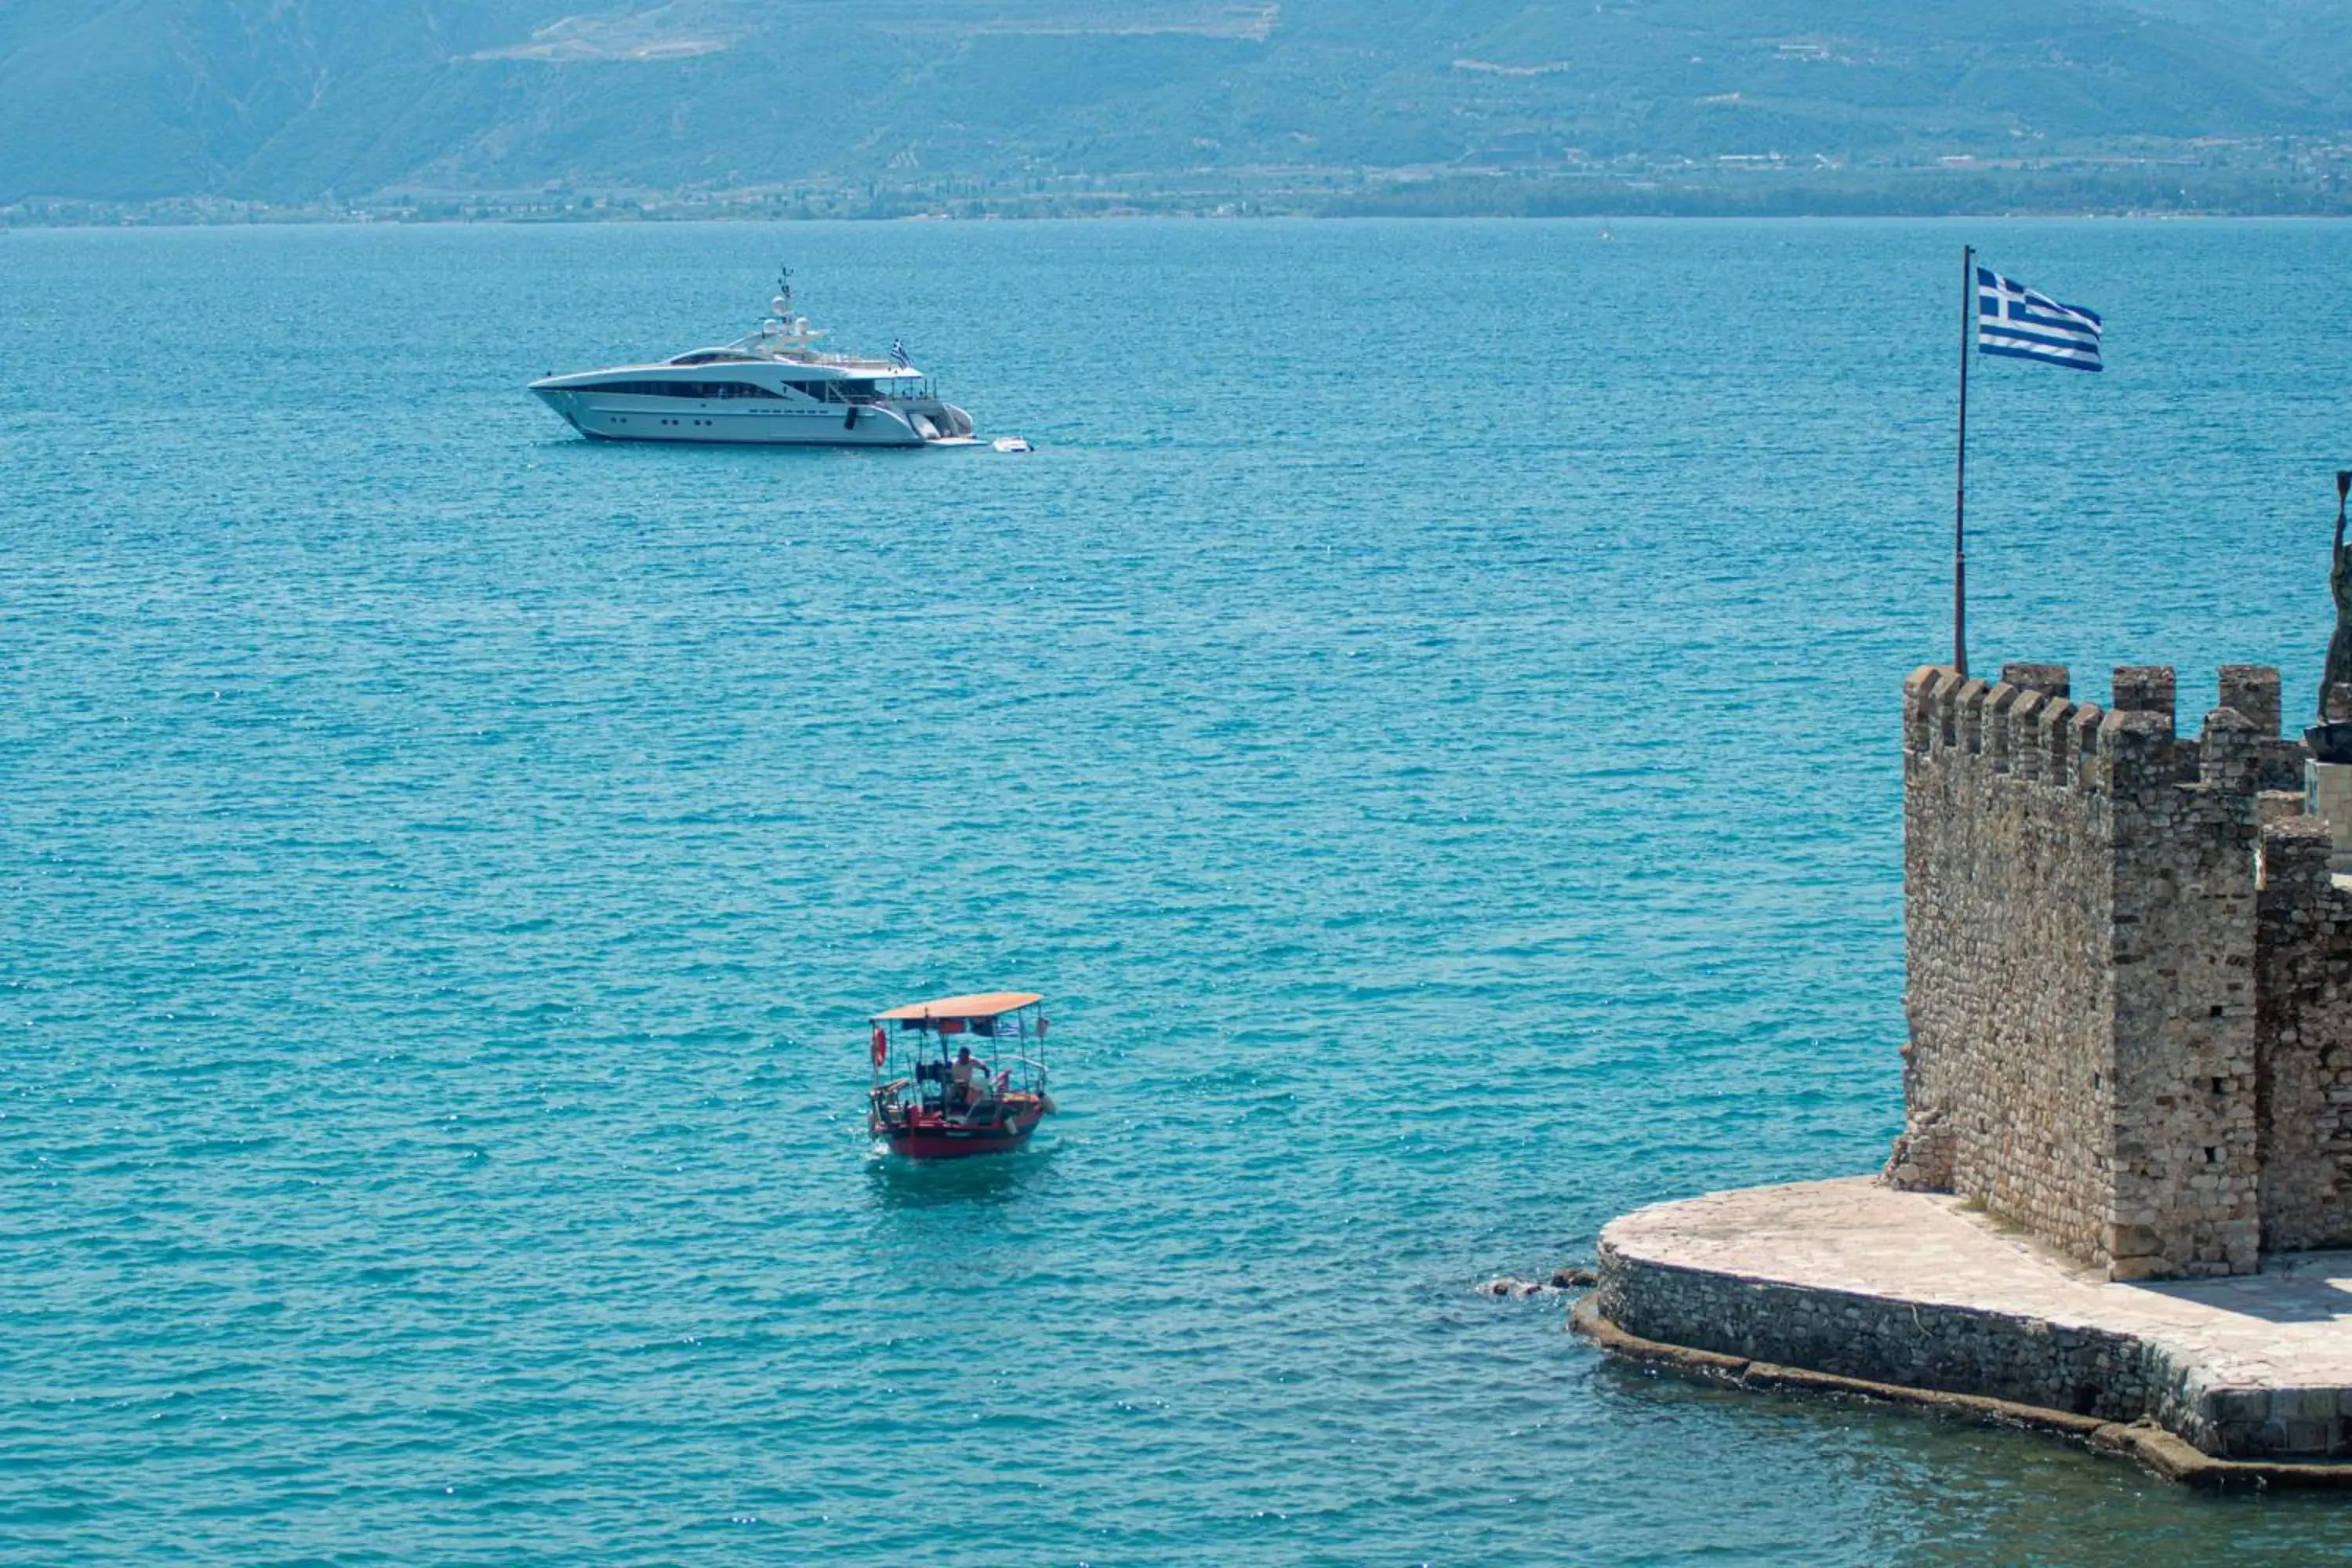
(2050,679)
(2252,689)
(2238,1407)
(2304,1403)
(2144,688)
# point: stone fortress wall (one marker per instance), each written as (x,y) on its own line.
(2130,971)
(2303,1075)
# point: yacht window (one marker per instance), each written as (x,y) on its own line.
(682,388)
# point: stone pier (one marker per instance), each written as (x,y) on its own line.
(1895,1292)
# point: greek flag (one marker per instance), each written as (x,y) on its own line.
(899,355)
(2014,319)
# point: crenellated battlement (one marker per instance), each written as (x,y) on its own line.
(2033,733)
(2108,927)
(2025,727)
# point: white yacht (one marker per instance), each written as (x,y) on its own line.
(771,388)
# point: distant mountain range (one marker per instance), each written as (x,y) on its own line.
(956,104)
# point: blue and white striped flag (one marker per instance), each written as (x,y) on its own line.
(899,355)
(2014,319)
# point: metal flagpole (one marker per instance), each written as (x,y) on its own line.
(1960,475)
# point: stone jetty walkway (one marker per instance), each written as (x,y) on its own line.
(1919,1291)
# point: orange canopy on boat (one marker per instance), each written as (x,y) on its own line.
(984,1005)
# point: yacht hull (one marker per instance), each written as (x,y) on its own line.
(727,422)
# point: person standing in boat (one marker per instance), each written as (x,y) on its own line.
(964,1075)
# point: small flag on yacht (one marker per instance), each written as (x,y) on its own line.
(899,355)
(2015,321)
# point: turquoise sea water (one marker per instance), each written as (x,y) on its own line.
(1427,715)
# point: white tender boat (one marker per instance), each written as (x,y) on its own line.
(771,388)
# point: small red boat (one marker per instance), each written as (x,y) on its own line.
(959,1076)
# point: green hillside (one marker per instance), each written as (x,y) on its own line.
(294,101)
